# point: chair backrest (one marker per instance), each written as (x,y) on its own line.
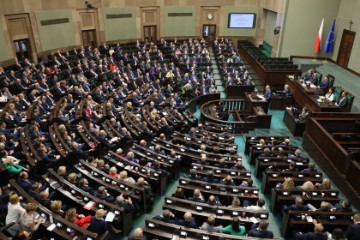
(331,80)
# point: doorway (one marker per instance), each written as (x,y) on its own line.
(150,34)
(209,33)
(347,41)
(23,49)
(89,38)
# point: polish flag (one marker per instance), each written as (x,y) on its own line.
(318,38)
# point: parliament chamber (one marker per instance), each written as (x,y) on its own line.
(175,119)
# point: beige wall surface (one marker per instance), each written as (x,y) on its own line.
(349,10)
(55,35)
(180,25)
(302,23)
(270,24)
(4,54)
(241,32)
(120,28)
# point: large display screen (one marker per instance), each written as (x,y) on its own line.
(241,20)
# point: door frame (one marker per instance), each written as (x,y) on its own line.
(95,39)
(154,32)
(28,46)
(209,25)
(341,45)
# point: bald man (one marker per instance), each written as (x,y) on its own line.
(318,233)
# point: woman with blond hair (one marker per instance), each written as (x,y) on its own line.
(307,186)
(325,184)
(288,184)
(14,209)
(27,218)
(77,219)
(11,167)
(235,203)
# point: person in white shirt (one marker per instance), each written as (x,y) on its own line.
(28,220)
(14,209)
(330,95)
(259,206)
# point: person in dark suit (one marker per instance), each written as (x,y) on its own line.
(342,102)
(84,185)
(127,204)
(318,233)
(210,177)
(260,231)
(324,84)
(97,222)
(188,221)
(197,197)
(138,235)
(26,183)
(353,231)
(345,207)
(267,96)
(167,217)
(311,168)
(298,206)
(102,193)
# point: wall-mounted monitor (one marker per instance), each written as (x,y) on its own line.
(241,20)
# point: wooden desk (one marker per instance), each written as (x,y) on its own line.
(305,97)
(255,102)
(296,128)
(280,102)
(330,221)
(238,91)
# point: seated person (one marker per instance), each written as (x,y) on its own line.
(193,174)
(127,204)
(213,201)
(260,231)
(238,166)
(179,193)
(311,168)
(28,220)
(138,235)
(197,196)
(209,225)
(188,221)
(56,207)
(210,177)
(318,233)
(345,207)
(103,194)
(260,205)
(78,219)
(97,222)
(234,228)
(298,206)
(167,217)
(235,203)
(353,231)
(324,84)
(228,181)
(330,95)
(342,102)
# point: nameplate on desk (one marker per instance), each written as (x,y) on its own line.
(289,160)
(199,208)
(183,233)
(263,216)
(233,173)
(299,163)
(248,174)
(151,225)
(266,160)
(300,176)
(255,192)
(235,213)
(218,171)
(183,182)
(318,176)
(205,237)
(168,201)
(285,193)
(207,187)
(314,194)
(219,211)
(235,190)
(333,194)
(274,175)
(156,174)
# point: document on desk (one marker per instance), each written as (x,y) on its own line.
(261,97)
(51,227)
(110,217)
(254,220)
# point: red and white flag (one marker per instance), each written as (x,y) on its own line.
(318,38)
